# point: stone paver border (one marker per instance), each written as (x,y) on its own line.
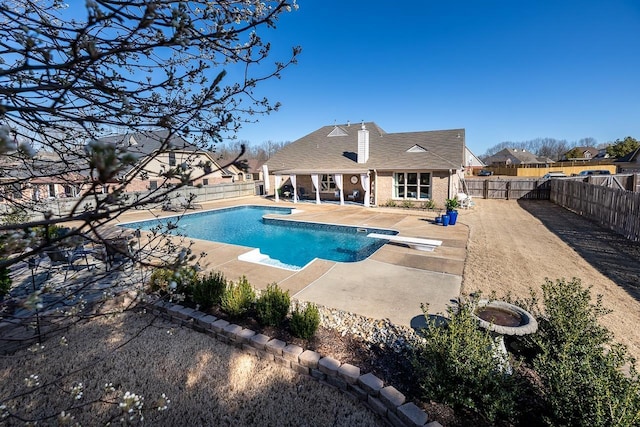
(370,390)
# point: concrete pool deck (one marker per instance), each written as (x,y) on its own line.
(391,283)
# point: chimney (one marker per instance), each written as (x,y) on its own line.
(363,144)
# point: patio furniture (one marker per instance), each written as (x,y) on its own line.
(354,196)
(64,259)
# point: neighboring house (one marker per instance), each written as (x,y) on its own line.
(516,156)
(47,177)
(153,161)
(365,164)
(472,162)
(581,153)
(629,163)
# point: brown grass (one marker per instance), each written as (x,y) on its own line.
(208,383)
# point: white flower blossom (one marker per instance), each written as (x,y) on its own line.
(32,381)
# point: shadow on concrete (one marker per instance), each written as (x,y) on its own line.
(611,254)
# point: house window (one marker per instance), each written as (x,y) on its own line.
(172,158)
(153,185)
(70,191)
(205,181)
(412,185)
(52,190)
(327,184)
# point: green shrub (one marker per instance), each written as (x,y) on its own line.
(168,281)
(455,364)
(207,290)
(238,297)
(580,368)
(273,306)
(429,204)
(390,203)
(407,204)
(305,323)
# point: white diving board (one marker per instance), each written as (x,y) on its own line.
(413,242)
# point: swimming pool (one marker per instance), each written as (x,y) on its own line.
(281,243)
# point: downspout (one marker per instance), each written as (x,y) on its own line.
(450,184)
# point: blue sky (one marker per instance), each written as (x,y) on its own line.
(503,70)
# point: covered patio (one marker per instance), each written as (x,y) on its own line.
(323,185)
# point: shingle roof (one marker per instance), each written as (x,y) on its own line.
(142,144)
(335,149)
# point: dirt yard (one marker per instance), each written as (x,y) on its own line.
(514,246)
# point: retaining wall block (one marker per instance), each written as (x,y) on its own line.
(245,335)
(370,383)
(309,359)
(433,424)
(174,310)
(249,350)
(349,373)
(338,382)
(206,321)
(300,369)
(219,325)
(185,313)
(317,374)
(275,347)
(412,415)
(391,397)
(359,392)
(263,354)
(377,405)
(259,341)
(291,352)
(232,330)
(395,420)
(329,366)
(280,360)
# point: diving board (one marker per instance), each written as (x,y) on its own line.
(413,242)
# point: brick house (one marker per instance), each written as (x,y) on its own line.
(363,163)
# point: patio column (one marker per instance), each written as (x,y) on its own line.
(292,178)
(265,178)
(365,181)
(314,180)
(278,179)
(338,180)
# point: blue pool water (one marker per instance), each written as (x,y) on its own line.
(289,244)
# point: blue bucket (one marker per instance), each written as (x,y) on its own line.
(445,220)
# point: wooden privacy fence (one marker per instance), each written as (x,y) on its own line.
(510,189)
(617,210)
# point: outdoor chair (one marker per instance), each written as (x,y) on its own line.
(117,252)
(64,259)
(354,196)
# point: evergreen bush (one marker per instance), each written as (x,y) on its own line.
(273,306)
(304,323)
(580,368)
(207,290)
(238,297)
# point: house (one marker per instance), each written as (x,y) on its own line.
(516,156)
(153,159)
(47,176)
(472,162)
(581,153)
(365,164)
(629,163)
